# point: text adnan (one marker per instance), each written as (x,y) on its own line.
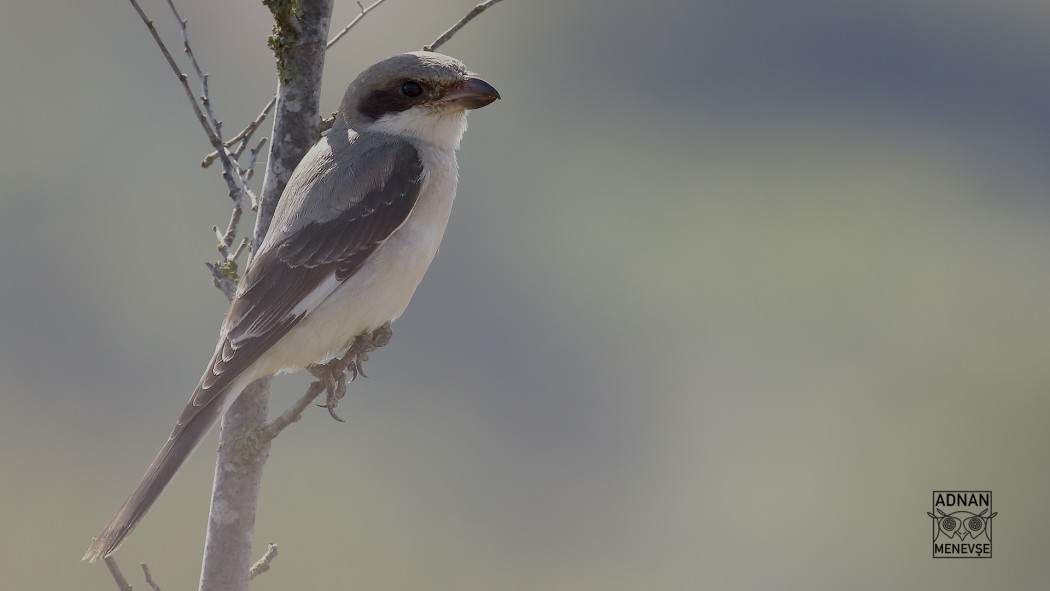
(959,499)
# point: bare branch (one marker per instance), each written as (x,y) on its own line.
(240,248)
(221,279)
(364,10)
(244,136)
(252,159)
(263,564)
(196,67)
(251,194)
(149,576)
(229,165)
(118,576)
(254,155)
(201,76)
(237,178)
(246,133)
(295,412)
(480,8)
(224,249)
(235,492)
(178,73)
(224,272)
(226,240)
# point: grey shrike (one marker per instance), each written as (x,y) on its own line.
(353,233)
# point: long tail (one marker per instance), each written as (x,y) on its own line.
(191,429)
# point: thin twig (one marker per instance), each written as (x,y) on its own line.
(149,577)
(240,248)
(231,230)
(175,68)
(252,197)
(253,157)
(213,129)
(245,172)
(212,126)
(364,10)
(201,76)
(244,136)
(237,178)
(294,413)
(263,564)
(118,576)
(480,8)
(221,280)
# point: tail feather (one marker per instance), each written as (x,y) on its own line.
(183,441)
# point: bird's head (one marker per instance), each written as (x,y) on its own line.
(421,94)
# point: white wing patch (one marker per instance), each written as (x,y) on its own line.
(306,305)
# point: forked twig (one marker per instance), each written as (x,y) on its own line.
(480,8)
(178,73)
(360,15)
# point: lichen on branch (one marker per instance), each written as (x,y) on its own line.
(285,35)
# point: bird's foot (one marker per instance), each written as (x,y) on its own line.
(357,355)
(334,373)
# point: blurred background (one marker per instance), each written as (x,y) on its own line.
(731,287)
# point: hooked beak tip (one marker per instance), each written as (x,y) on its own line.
(472,93)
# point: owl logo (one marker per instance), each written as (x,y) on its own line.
(962,524)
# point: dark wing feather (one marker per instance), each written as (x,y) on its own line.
(281,277)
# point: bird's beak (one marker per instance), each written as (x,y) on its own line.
(472,93)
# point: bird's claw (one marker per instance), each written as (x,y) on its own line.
(334,373)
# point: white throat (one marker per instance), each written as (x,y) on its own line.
(443,129)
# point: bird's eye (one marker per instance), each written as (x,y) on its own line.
(411,89)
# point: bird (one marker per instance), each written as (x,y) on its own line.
(352,235)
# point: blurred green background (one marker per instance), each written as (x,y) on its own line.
(730,288)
